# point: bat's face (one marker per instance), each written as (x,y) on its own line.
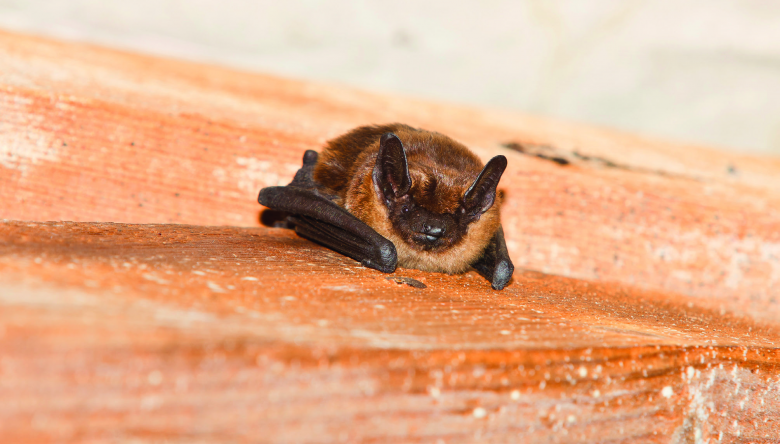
(425,229)
(424,213)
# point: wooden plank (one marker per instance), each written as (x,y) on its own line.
(660,326)
(90,134)
(204,334)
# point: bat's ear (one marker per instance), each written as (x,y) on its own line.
(482,193)
(391,173)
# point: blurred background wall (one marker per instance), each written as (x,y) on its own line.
(696,70)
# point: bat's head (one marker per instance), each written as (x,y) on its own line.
(427,208)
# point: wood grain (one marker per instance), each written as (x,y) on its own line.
(644,307)
(90,134)
(184,333)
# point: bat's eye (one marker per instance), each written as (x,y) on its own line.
(404,209)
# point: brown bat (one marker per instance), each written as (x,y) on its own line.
(394,195)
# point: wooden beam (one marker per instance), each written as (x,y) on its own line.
(90,134)
(644,309)
(177,332)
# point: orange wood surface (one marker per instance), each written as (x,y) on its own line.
(644,307)
(90,134)
(193,334)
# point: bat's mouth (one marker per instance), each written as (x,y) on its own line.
(428,241)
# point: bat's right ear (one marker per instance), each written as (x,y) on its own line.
(391,172)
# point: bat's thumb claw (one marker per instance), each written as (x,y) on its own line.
(310,157)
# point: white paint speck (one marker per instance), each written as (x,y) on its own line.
(153,278)
(214,287)
(434,392)
(690,372)
(219,173)
(667,392)
(155,377)
(505,332)
(479,412)
(583,372)
(515,395)
(198,272)
(151,402)
(248,278)
(348,288)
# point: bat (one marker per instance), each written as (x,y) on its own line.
(392,195)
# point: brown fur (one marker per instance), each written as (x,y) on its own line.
(441,170)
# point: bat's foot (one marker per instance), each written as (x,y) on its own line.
(502,274)
(495,264)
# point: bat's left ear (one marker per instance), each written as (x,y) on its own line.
(391,172)
(482,193)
